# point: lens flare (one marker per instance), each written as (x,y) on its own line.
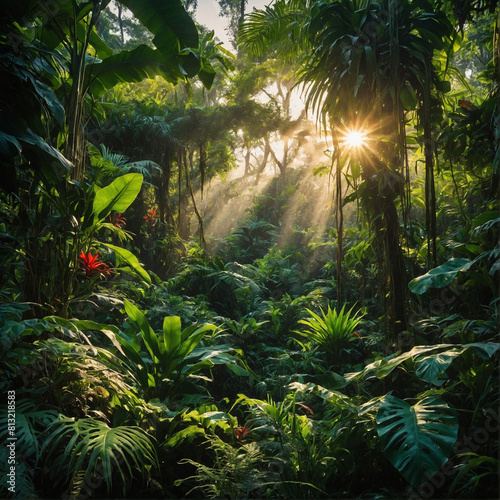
(354,139)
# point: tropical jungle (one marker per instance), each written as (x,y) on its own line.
(265,267)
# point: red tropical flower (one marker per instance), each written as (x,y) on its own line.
(151,216)
(241,432)
(118,220)
(93,265)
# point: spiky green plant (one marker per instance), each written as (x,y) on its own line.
(333,331)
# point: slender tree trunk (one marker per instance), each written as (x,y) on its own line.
(430,189)
(203,165)
(195,207)
(120,23)
(339,217)
(397,271)
(263,163)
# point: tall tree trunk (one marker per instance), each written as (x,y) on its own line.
(203,243)
(430,189)
(339,215)
(397,271)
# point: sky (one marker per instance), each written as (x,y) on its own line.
(207,14)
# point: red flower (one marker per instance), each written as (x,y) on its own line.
(241,432)
(151,217)
(118,220)
(467,105)
(92,265)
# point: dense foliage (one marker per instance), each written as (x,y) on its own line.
(211,288)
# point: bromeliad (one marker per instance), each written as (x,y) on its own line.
(93,265)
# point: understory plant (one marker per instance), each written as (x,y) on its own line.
(333,331)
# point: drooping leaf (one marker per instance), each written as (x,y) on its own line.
(132,66)
(51,161)
(168,21)
(117,196)
(417,439)
(130,260)
(438,277)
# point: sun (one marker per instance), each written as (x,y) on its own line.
(354,139)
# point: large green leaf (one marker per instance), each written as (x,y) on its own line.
(132,66)
(53,164)
(433,368)
(171,333)
(431,360)
(117,196)
(29,419)
(148,334)
(438,277)
(94,444)
(408,97)
(168,21)
(417,439)
(131,260)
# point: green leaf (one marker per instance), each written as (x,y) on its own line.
(132,66)
(433,368)
(93,446)
(443,86)
(171,333)
(190,343)
(53,163)
(148,334)
(189,433)
(168,21)
(117,196)
(131,260)
(408,97)
(438,277)
(418,440)
(6,143)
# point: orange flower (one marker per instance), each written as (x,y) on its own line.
(118,220)
(93,265)
(151,216)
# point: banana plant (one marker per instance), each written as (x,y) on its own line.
(82,215)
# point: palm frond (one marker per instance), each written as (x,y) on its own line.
(101,450)
(147,168)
